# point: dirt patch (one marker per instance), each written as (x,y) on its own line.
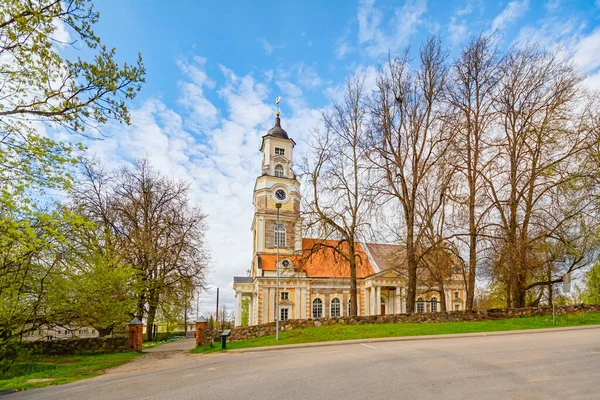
(161,360)
(35,380)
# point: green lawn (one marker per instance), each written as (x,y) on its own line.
(39,371)
(345,332)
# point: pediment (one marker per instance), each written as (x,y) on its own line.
(387,273)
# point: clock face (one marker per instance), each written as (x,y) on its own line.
(280,194)
(285,263)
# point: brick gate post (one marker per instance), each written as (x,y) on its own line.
(200,331)
(135,334)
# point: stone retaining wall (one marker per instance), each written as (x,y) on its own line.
(249,332)
(78,346)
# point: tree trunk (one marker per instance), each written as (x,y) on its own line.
(103,332)
(472,254)
(152,307)
(353,290)
(411,259)
(443,306)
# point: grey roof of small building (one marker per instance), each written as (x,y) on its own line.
(242,279)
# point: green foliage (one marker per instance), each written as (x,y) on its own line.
(9,350)
(591,293)
(161,336)
(42,90)
(55,370)
(245,311)
(327,333)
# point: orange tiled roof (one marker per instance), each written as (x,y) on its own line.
(318,260)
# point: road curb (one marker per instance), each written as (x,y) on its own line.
(411,338)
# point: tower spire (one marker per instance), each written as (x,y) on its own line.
(277,100)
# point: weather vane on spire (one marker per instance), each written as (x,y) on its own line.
(277,100)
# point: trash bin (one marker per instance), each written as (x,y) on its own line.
(224,335)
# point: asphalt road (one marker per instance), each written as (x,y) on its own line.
(553,365)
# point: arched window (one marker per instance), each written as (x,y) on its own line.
(279,171)
(280,235)
(317,311)
(335,307)
(420,305)
(433,304)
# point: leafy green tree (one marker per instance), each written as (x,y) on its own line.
(42,90)
(245,311)
(591,292)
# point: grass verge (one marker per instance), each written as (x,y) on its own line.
(346,332)
(39,371)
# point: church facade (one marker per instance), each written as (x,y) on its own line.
(316,285)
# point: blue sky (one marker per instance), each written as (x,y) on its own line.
(215,68)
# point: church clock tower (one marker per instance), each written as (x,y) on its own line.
(277,184)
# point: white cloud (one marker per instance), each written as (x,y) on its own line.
(551,33)
(469,7)
(60,34)
(307,76)
(220,160)
(369,19)
(403,25)
(268,47)
(457,30)
(288,89)
(587,52)
(512,12)
(552,5)
(342,45)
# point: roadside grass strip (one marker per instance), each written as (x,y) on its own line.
(327,333)
(40,371)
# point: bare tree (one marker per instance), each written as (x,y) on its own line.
(409,138)
(474,78)
(536,164)
(339,207)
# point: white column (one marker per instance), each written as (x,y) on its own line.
(238,308)
(398,307)
(367,301)
(378,301)
(373,301)
(298,305)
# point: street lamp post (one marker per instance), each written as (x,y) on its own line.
(278,206)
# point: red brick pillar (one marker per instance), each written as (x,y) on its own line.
(200,331)
(135,334)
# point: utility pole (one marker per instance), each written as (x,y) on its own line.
(217,313)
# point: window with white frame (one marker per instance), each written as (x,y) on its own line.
(457,307)
(280,235)
(420,305)
(285,295)
(284,314)
(335,307)
(279,171)
(317,308)
(456,294)
(433,304)
(279,151)
(82,332)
